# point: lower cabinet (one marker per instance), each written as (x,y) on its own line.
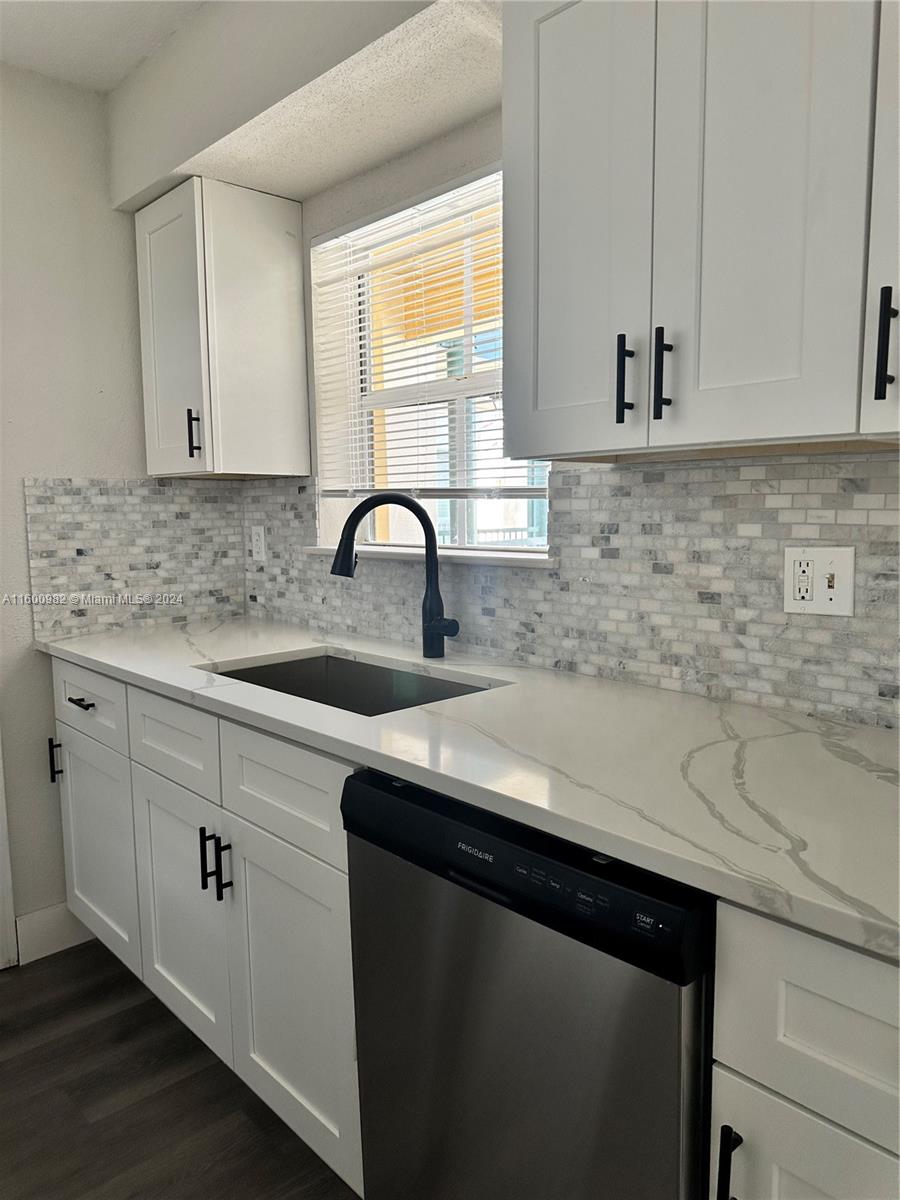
(98,837)
(183,925)
(292,991)
(788,1153)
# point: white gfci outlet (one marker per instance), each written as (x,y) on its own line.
(819,579)
(258,542)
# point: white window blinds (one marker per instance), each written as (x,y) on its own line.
(408,352)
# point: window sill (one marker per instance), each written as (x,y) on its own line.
(473,558)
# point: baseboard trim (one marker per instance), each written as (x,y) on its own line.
(47,931)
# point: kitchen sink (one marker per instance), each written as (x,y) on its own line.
(351,684)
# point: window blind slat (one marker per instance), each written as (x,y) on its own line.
(408,343)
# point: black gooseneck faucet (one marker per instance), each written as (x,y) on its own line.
(435,626)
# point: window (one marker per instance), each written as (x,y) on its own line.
(408,351)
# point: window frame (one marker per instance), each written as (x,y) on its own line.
(455,392)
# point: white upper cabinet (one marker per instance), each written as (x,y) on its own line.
(881,356)
(762,160)
(220,283)
(717,158)
(578,194)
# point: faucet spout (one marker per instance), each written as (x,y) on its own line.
(435,626)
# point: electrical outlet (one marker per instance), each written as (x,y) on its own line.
(803,579)
(819,579)
(258,542)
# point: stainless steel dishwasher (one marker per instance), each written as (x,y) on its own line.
(531,1016)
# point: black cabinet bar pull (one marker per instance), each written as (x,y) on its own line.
(622,352)
(193,447)
(729,1140)
(885,315)
(55,771)
(80,702)
(205,873)
(221,884)
(660,346)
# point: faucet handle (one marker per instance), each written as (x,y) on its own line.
(445,626)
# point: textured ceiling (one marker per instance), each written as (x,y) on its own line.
(431,74)
(94,43)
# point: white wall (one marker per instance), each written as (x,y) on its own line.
(70,397)
(231,62)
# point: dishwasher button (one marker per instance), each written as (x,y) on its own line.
(645,923)
(521,869)
(555,884)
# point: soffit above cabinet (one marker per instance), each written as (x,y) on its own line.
(435,72)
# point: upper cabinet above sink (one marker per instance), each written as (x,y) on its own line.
(687,215)
(220,280)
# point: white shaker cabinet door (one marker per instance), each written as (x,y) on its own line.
(183,925)
(880,409)
(763,116)
(292,992)
(578,195)
(174,352)
(98,839)
(788,1153)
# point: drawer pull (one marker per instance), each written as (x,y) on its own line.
(886,314)
(622,352)
(221,884)
(660,347)
(205,873)
(55,771)
(729,1141)
(193,447)
(80,702)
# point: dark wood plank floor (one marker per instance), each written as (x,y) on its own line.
(104,1095)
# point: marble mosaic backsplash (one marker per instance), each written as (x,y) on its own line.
(106,552)
(666,574)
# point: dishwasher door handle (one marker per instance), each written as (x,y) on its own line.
(475,885)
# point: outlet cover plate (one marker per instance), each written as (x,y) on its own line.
(258,542)
(832,576)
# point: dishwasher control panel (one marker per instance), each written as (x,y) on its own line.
(537,879)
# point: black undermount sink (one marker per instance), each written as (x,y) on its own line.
(347,683)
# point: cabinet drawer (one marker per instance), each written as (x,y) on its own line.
(812,1020)
(176,740)
(101,713)
(290,791)
(790,1154)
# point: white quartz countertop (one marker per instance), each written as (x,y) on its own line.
(794,816)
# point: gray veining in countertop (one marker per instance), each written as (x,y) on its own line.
(794,816)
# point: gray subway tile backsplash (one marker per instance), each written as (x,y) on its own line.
(667,575)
